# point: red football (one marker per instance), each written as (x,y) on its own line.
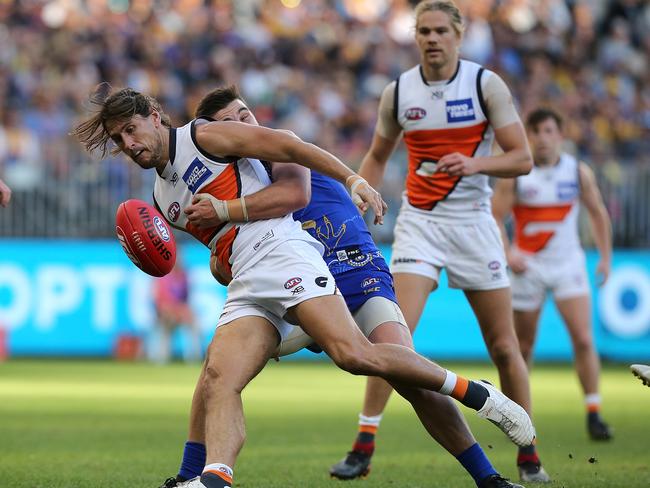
(145,237)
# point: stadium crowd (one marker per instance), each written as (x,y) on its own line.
(316,67)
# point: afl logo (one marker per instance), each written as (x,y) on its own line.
(161,228)
(174,211)
(415,113)
(292,282)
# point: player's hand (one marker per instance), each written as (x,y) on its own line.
(220,274)
(203,212)
(5,194)
(457,164)
(602,271)
(365,196)
(516,262)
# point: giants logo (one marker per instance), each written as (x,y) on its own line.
(415,113)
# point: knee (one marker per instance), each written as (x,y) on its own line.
(353,359)
(504,353)
(215,382)
(582,344)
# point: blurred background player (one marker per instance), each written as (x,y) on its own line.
(641,371)
(450,112)
(546,254)
(5,194)
(173,310)
(361,275)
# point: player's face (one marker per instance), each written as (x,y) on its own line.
(236,111)
(437,39)
(545,141)
(139,139)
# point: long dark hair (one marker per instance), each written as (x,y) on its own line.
(107,107)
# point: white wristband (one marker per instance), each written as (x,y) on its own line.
(221,207)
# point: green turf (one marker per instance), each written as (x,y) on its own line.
(77,424)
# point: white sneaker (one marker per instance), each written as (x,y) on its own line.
(641,371)
(193,483)
(508,416)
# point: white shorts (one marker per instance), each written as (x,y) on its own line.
(373,313)
(291,273)
(472,254)
(566,278)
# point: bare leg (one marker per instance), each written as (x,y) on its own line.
(452,433)
(493,311)
(329,323)
(576,313)
(526,327)
(237,353)
(342,340)
(412,293)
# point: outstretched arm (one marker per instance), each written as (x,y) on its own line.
(290,191)
(601,225)
(244,140)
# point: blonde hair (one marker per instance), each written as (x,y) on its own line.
(446,6)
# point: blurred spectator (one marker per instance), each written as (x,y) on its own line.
(171,300)
(5,194)
(317,68)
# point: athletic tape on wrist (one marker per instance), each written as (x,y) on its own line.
(221,207)
(243,208)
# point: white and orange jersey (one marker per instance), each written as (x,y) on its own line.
(439,119)
(546,209)
(192,170)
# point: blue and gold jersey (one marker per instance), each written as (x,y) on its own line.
(350,253)
(335,221)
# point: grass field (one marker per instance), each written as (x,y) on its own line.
(74,424)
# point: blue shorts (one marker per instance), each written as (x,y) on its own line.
(360,284)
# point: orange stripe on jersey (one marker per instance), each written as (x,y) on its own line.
(424,187)
(226,186)
(526,215)
(223,249)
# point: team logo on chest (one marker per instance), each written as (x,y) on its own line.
(460,110)
(415,113)
(196,175)
(174,211)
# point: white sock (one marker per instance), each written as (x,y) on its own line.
(374,420)
(449,384)
(592,400)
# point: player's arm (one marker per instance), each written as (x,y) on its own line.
(503,199)
(290,191)
(5,194)
(509,133)
(385,138)
(245,140)
(601,225)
